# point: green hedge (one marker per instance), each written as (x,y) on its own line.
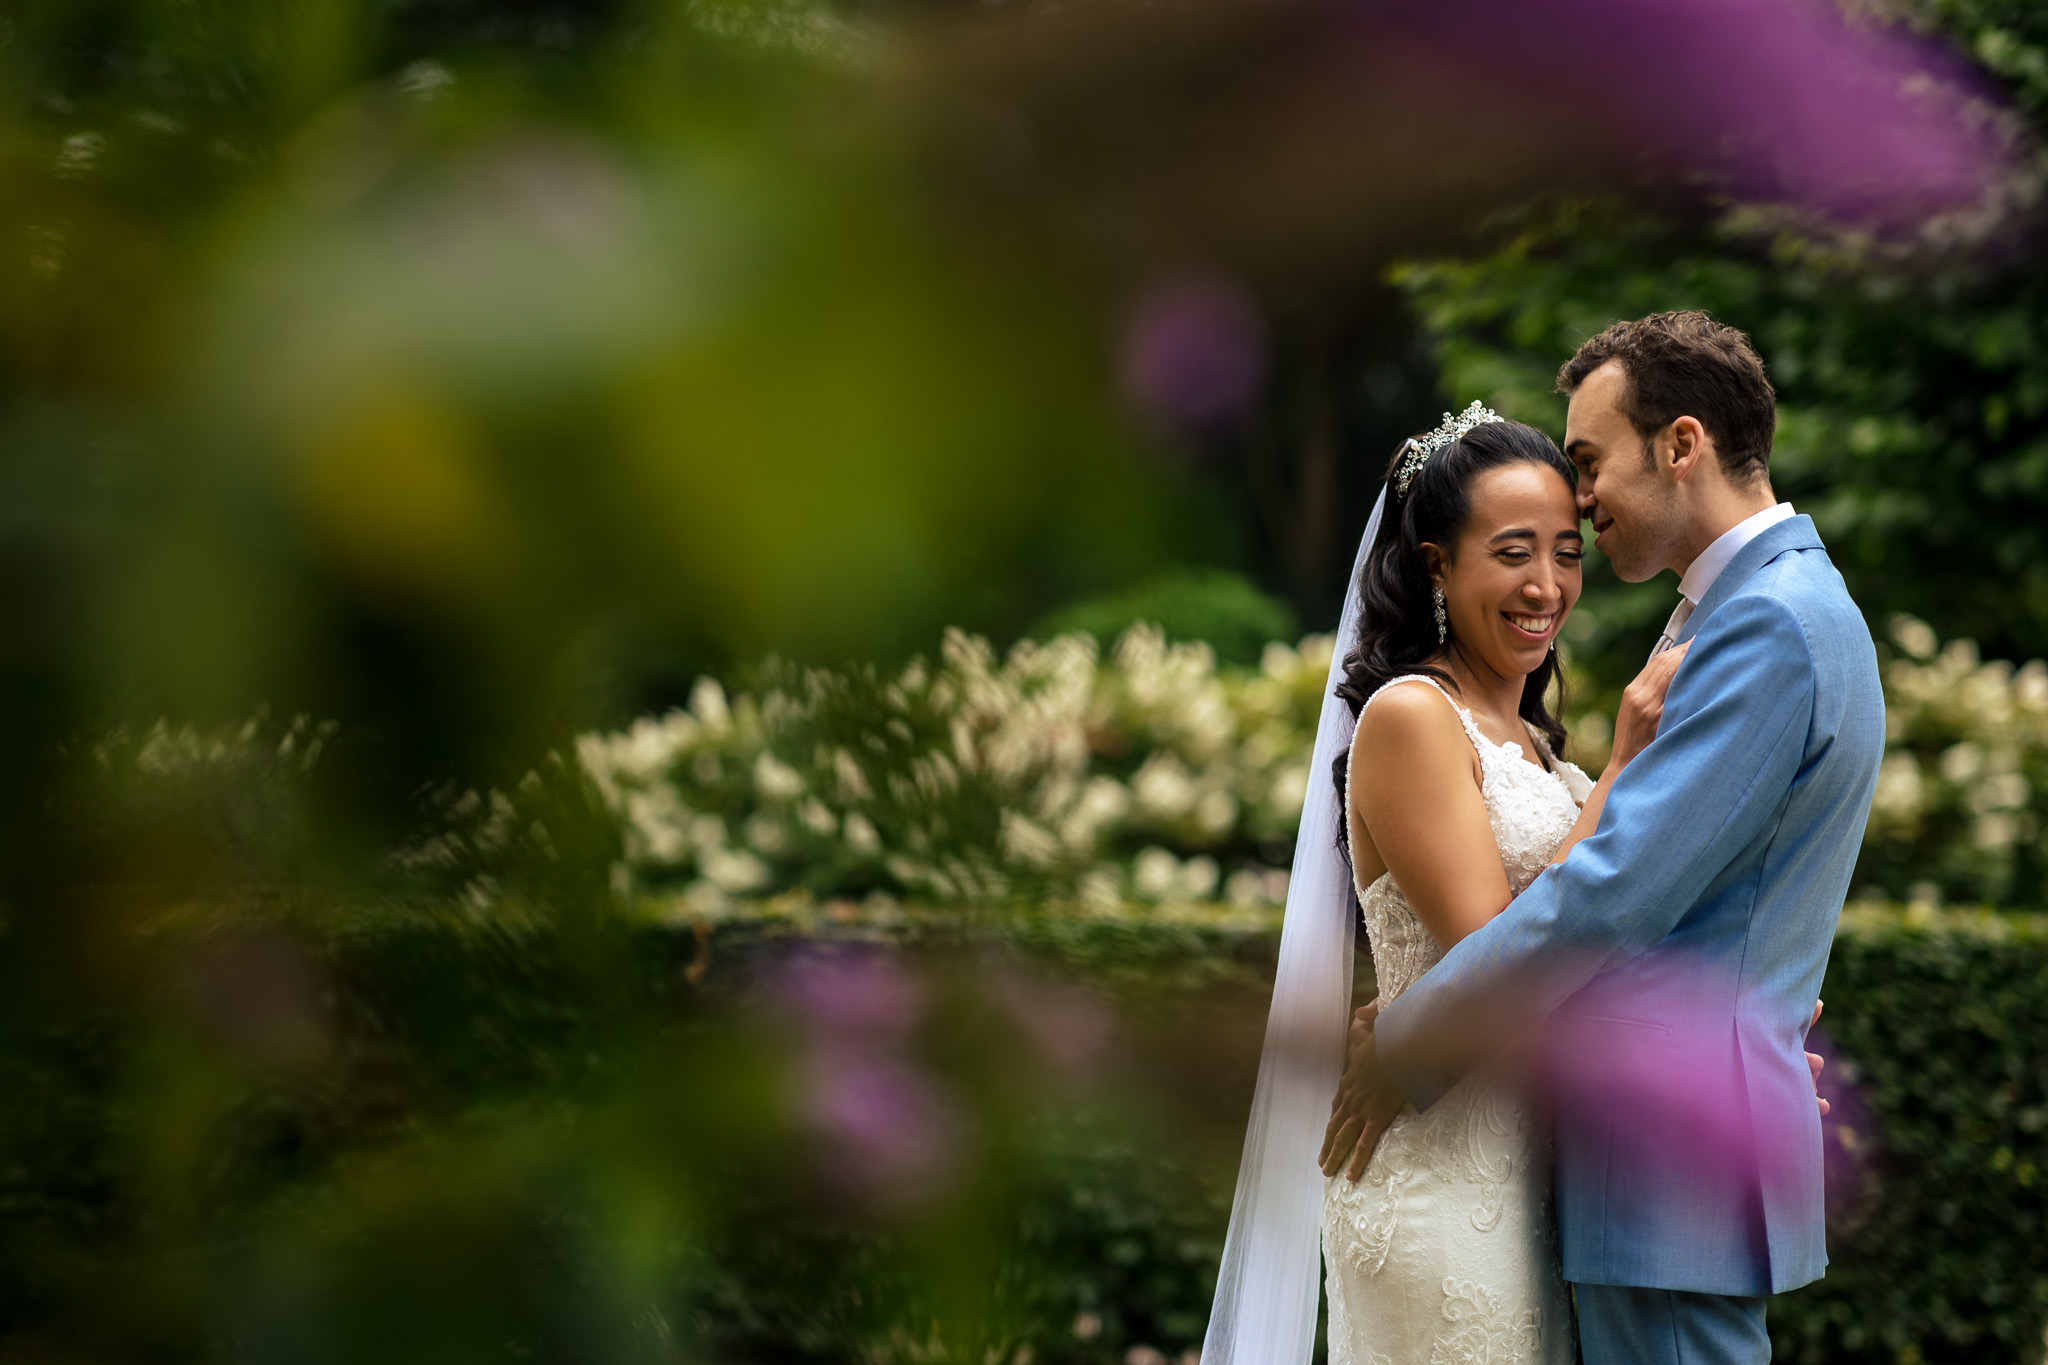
(574,1138)
(1938,1024)
(1936,1028)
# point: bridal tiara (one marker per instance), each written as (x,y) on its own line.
(1420,448)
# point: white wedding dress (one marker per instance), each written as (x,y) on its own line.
(1445,1252)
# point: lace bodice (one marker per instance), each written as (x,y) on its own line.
(1531,811)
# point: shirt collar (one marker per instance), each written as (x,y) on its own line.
(1699,578)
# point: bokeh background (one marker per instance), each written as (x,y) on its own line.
(657,659)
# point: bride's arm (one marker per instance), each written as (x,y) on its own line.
(1635,725)
(1415,785)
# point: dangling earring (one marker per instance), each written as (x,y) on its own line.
(1443,628)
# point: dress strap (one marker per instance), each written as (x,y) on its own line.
(1464,716)
(1351,770)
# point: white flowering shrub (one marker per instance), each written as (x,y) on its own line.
(1050,773)
(1047,776)
(1963,792)
(1155,776)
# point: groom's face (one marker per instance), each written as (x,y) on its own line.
(1632,504)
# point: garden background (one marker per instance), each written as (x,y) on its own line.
(656,659)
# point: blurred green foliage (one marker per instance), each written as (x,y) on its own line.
(363,358)
(468,375)
(463,375)
(504,1118)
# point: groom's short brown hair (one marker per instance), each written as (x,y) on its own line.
(1685,364)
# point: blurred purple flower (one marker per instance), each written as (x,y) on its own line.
(1787,101)
(890,1131)
(865,993)
(1651,1072)
(1069,1026)
(1194,353)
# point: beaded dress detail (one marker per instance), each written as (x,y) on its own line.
(1445,1251)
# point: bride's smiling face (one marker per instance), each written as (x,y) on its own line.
(1514,574)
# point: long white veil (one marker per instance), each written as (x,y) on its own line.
(1265,1308)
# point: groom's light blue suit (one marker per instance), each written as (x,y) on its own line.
(1677,953)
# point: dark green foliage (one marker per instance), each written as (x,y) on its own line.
(1912,377)
(1126,1235)
(1223,609)
(1914,401)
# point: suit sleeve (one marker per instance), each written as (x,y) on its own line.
(1732,740)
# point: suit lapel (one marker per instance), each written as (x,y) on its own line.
(1793,533)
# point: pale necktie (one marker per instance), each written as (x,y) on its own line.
(1669,638)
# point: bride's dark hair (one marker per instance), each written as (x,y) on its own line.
(1397,614)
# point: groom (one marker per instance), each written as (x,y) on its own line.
(1676,955)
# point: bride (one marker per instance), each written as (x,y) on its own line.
(1444,1248)
(1439,1246)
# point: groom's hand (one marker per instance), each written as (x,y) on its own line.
(1366,1103)
(1814,1061)
(1642,704)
